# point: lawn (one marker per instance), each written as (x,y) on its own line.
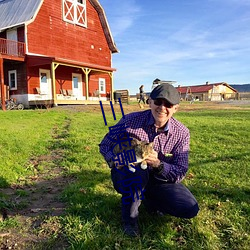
(218,176)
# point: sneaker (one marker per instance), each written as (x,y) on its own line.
(131,229)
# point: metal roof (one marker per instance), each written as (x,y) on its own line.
(16,12)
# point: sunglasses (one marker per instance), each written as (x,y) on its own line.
(159,102)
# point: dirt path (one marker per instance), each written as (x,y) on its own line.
(34,203)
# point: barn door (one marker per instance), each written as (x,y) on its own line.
(45,83)
(12,48)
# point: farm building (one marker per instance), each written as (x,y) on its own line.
(56,52)
(208,92)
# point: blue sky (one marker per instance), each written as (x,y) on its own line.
(188,41)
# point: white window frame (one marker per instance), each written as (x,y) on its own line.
(78,16)
(102,83)
(15,75)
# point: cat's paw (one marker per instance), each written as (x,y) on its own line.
(132,169)
(144,166)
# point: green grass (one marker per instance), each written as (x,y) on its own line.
(24,135)
(218,176)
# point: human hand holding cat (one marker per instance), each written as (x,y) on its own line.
(152,159)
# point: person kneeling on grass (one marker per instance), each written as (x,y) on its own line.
(162,191)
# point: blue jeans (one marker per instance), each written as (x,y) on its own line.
(168,198)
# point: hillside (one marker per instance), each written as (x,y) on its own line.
(241,87)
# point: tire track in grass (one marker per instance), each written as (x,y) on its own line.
(33,205)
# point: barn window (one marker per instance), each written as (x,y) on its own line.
(102,86)
(74,11)
(12,80)
(43,77)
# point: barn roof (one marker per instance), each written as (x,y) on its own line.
(201,88)
(18,12)
(105,25)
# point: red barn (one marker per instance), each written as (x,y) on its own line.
(56,52)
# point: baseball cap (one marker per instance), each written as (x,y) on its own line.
(166,91)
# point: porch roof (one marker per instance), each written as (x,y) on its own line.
(40,60)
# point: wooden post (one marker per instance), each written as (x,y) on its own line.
(111,87)
(53,79)
(2,84)
(86,72)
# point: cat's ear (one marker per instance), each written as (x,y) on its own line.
(151,144)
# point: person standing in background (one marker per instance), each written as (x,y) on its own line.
(142,98)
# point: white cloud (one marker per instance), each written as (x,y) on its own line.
(122,15)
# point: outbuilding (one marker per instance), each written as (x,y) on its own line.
(207,92)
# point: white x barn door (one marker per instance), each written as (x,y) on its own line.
(74,11)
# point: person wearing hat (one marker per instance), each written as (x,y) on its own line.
(162,191)
(156,83)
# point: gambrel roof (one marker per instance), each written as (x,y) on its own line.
(105,25)
(18,12)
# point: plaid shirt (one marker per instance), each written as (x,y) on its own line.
(172,145)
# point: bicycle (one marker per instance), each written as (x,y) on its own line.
(12,104)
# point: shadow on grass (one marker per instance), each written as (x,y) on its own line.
(214,159)
(220,193)
(3,182)
(94,219)
(227,210)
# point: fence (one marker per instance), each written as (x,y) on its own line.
(244,96)
(123,94)
(217,96)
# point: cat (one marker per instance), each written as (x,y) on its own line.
(142,150)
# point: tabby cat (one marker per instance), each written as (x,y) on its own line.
(142,150)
